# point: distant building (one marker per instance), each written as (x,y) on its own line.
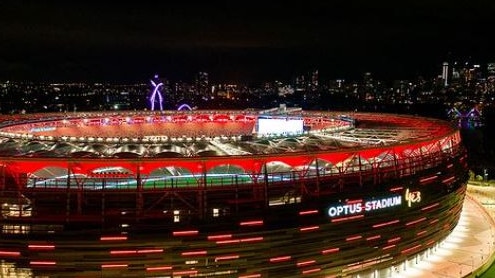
(490,69)
(300,83)
(445,73)
(314,81)
(202,84)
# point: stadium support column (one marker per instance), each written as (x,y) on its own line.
(421,158)
(139,201)
(67,200)
(79,193)
(451,146)
(341,178)
(317,177)
(361,171)
(2,176)
(265,185)
(201,196)
(396,165)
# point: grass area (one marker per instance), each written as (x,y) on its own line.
(489,273)
(194,181)
(149,183)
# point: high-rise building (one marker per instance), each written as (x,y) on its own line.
(475,72)
(490,69)
(314,81)
(202,84)
(445,73)
(300,83)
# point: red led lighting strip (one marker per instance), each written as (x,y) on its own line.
(251,223)
(159,268)
(111,238)
(185,233)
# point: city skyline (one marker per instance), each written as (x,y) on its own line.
(131,41)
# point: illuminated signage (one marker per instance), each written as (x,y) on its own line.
(412,197)
(351,208)
(367,206)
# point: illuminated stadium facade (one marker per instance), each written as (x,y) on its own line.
(215,193)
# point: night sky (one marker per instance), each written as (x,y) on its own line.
(126,41)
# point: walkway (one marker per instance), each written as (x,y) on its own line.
(467,251)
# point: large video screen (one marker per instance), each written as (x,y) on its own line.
(281,125)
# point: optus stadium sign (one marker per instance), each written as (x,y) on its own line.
(375,204)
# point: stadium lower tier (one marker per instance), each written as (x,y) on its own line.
(331,227)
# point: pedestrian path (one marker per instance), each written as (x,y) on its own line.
(467,251)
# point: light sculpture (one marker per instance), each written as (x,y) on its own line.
(157,85)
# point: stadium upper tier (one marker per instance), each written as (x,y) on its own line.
(201,133)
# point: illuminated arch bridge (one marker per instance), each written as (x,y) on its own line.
(468,119)
(175,193)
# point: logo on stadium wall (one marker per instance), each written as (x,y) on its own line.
(412,197)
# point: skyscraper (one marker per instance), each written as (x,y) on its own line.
(314,81)
(202,84)
(490,69)
(445,73)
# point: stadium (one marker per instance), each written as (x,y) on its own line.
(253,193)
